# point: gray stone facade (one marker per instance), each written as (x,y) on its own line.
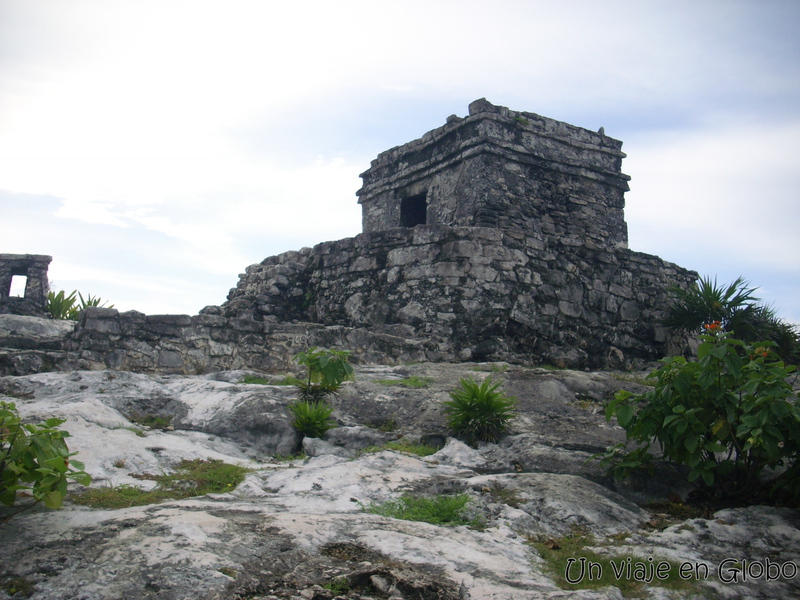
(502,169)
(499,236)
(33,267)
(474,293)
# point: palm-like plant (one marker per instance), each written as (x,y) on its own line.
(736,309)
(706,301)
(62,306)
(312,419)
(478,411)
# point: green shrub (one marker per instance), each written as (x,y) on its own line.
(478,412)
(35,458)
(312,418)
(327,370)
(437,510)
(729,416)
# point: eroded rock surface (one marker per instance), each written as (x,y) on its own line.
(299,529)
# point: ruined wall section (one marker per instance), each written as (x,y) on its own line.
(474,293)
(504,169)
(189,345)
(33,267)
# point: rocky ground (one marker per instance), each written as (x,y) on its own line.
(298,528)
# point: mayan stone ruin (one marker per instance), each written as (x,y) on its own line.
(499,236)
(32,269)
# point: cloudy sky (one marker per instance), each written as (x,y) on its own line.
(157,148)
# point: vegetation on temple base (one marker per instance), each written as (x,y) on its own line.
(731,417)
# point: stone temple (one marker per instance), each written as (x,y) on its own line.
(498,236)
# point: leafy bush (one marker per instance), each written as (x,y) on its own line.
(327,370)
(312,418)
(69,307)
(478,412)
(736,309)
(729,416)
(35,458)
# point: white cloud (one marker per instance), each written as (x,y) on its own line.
(203,136)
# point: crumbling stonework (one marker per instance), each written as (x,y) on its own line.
(474,293)
(33,267)
(105,338)
(502,169)
(499,236)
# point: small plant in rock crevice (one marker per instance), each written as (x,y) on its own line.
(418,449)
(326,371)
(312,418)
(65,306)
(190,478)
(255,379)
(437,510)
(479,412)
(151,421)
(414,382)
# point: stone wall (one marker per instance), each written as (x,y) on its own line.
(504,169)
(131,341)
(34,268)
(474,294)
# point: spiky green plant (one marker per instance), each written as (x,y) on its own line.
(312,418)
(737,311)
(65,306)
(707,301)
(92,301)
(478,411)
(62,306)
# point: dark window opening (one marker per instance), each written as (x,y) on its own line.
(17,288)
(413,211)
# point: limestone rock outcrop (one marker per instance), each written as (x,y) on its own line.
(297,529)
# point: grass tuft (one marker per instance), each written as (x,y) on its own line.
(437,510)
(403,446)
(191,478)
(413,382)
(286,380)
(576,566)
